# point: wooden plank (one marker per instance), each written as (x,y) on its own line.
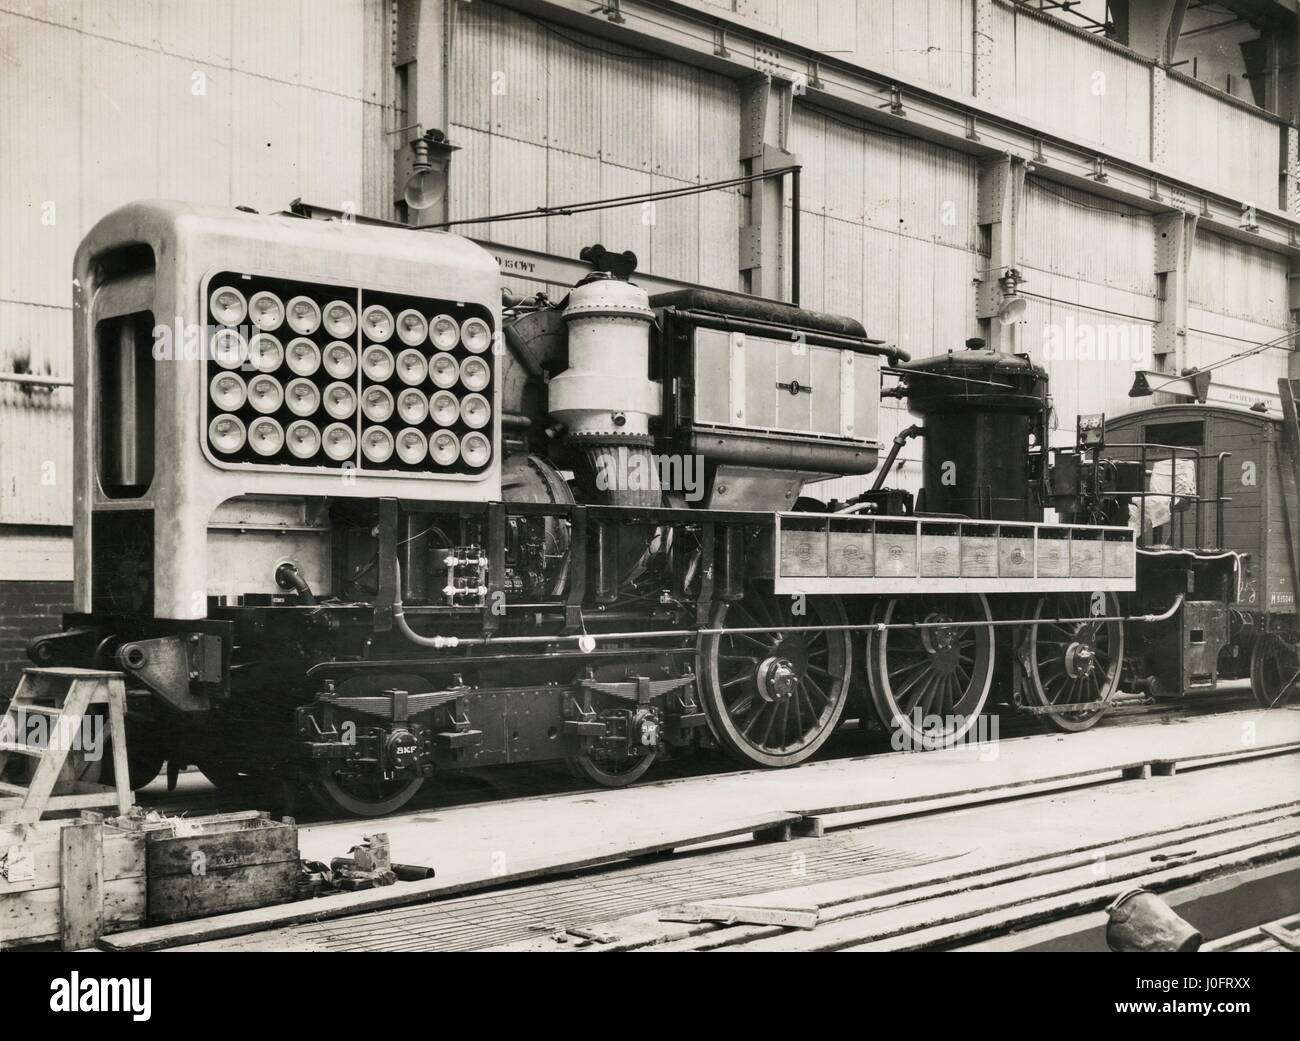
(741,913)
(81,886)
(116,691)
(1069,903)
(86,801)
(897,926)
(71,673)
(134,822)
(176,855)
(123,857)
(221,891)
(344,904)
(851,898)
(1285,937)
(33,917)
(1251,938)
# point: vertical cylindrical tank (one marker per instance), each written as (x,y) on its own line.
(980,408)
(605,398)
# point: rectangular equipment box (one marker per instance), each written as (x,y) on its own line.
(214,865)
(102,867)
(890,555)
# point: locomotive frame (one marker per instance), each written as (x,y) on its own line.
(586,628)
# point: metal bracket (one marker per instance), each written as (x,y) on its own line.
(164,666)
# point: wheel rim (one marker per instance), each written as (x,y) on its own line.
(366,798)
(612,771)
(774,698)
(1274,670)
(358,797)
(1074,663)
(931,684)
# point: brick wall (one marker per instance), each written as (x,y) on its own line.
(27,609)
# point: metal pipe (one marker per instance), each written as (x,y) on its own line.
(916,430)
(794,235)
(759,327)
(33,380)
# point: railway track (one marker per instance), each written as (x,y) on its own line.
(940,871)
(196,795)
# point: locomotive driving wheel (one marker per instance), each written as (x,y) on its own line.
(364,798)
(930,683)
(1274,669)
(1072,669)
(612,769)
(772,699)
(359,796)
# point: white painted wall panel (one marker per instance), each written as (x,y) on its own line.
(520,60)
(197,29)
(119,126)
(127,21)
(41,215)
(327,175)
(570,176)
(1237,299)
(333,46)
(36,446)
(194,127)
(266,38)
(1066,81)
(221,101)
(598,120)
(1222,145)
(674,231)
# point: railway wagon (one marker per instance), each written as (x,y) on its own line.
(1249,455)
(347,518)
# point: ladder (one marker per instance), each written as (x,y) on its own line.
(62,698)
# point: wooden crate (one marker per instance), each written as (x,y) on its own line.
(1086,558)
(940,556)
(803,553)
(1015,557)
(70,881)
(851,554)
(979,556)
(1053,557)
(896,553)
(1119,558)
(212,865)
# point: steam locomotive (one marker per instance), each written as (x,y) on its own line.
(346,517)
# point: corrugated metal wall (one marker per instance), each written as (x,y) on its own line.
(220,101)
(1090,265)
(1223,146)
(925,40)
(546,115)
(1080,87)
(888,237)
(1237,298)
(1044,70)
